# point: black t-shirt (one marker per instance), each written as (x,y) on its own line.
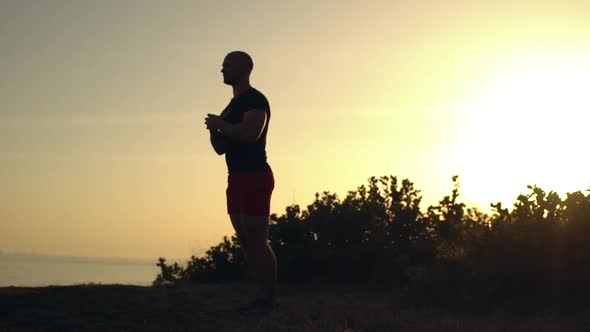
(243,156)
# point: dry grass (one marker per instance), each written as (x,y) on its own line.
(212,308)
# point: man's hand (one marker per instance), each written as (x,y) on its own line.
(214,122)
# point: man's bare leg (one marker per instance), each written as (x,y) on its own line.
(261,257)
(236,220)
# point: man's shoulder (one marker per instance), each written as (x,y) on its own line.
(257,93)
(258,97)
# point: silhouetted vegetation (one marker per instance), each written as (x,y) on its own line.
(378,232)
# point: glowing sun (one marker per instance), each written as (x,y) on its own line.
(528,126)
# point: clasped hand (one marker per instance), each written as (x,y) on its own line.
(214,122)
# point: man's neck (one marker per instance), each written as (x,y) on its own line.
(241,88)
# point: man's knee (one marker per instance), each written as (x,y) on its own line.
(236,221)
(257,245)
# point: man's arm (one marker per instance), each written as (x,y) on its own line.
(218,142)
(249,130)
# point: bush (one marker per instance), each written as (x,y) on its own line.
(378,232)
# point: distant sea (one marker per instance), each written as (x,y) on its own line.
(39,270)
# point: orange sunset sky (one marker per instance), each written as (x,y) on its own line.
(103,150)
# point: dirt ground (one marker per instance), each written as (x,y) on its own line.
(97,307)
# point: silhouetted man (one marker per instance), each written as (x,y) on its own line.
(240,133)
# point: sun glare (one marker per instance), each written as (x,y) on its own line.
(528,126)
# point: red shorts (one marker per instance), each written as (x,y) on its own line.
(249,192)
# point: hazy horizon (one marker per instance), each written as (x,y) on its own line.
(153,260)
(104,151)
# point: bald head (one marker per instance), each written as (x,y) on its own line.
(243,58)
(237,66)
